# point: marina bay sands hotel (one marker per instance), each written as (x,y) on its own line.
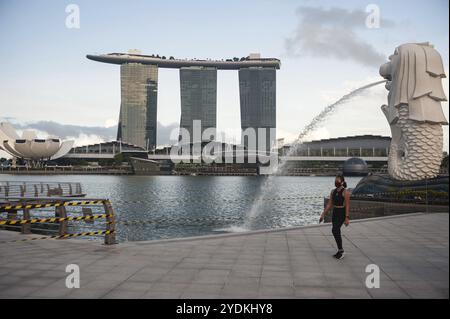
(198,81)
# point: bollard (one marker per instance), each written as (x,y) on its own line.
(12,215)
(110,239)
(87,212)
(60,211)
(26,228)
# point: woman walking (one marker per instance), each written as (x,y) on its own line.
(340,202)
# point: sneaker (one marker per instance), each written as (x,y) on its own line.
(339,255)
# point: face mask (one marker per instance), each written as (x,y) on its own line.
(337,184)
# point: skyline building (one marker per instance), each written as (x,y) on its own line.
(257,93)
(198,89)
(138,107)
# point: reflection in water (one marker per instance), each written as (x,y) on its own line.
(200,205)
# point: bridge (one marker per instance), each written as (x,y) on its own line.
(281,158)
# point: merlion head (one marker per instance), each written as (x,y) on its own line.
(414,81)
(414,78)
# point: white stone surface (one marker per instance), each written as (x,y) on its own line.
(414,111)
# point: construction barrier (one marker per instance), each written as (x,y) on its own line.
(61,212)
(55,204)
(52,219)
(92,233)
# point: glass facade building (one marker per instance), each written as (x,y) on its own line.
(257,92)
(198,88)
(138,108)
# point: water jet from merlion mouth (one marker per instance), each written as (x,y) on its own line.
(314,124)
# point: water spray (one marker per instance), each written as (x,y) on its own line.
(314,124)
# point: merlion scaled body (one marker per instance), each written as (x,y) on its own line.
(414,111)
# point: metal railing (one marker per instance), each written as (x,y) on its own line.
(39,189)
(423,196)
(119,170)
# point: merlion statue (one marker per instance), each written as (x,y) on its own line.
(414,81)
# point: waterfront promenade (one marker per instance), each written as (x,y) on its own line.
(412,252)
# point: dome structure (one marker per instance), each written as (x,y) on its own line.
(29,146)
(355,166)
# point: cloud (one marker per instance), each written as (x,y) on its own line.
(111,122)
(88,134)
(84,139)
(333,33)
(65,131)
(288,136)
(163,133)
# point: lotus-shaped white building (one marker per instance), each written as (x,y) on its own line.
(29,146)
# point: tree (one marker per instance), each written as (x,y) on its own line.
(118,159)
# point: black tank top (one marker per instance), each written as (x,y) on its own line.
(338,196)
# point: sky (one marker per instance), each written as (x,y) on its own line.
(326,51)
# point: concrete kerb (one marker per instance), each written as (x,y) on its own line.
(245,233)
(264,231)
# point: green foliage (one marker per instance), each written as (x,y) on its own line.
(118,159)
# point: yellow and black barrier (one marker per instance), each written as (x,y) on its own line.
(53,219)
(65,236)
(56,204)
(60,216)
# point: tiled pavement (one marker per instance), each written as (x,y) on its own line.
(412,252)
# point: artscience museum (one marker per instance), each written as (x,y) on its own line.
(30,147)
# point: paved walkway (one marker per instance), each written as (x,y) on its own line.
(412,252)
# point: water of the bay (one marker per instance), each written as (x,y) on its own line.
(182,206)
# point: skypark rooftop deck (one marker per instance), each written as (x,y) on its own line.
(172,63)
